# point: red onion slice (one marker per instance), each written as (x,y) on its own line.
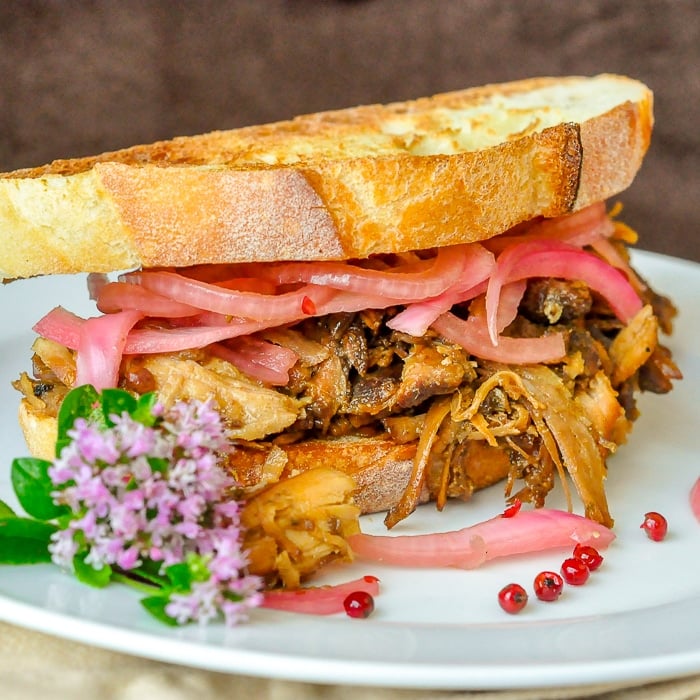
(100,347)
(579,229)
(443,272)
(470,547)
(259,359)
(479,264)
(324,600)
(554,259)
(474,337)
(95,282)
(695,499)
(61,326)
(118,296)
(211,297)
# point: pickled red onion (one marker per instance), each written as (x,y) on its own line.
(415,320)
(454,270)
(601,277)
(505,263)
(118,296)
(555,259)
(347,302)
(248,284)
(444,271)
(95,282)
(323,600)
(100,347)
(211,297)
(580,229)
(61,326)
(259,359)
(695,499)
(511,296)
(146,341)
(608,252)
(473,336)
(468,548)
(65,327)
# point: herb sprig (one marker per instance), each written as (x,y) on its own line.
(136,495)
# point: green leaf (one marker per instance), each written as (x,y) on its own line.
(156,606)
(27,527)
(98,578)
(144,409)
(180,577)
(116,402)
(6,511)
(19,551)
(158,464)
(81,402)
(199,567)
(64,520)
(150,571)
(24,541)
(33,487)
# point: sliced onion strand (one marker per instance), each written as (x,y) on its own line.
(323,600)
(468,548)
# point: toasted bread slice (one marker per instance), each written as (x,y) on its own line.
(456,167)
(379,467)
(39,429)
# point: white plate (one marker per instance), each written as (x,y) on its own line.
(638,618)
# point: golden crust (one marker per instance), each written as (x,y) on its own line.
(233,212)
(456,167)
(39,430)
(616,141)
(379,468)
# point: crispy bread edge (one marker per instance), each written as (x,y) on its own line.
(380,472)
(124,210)
(39,431)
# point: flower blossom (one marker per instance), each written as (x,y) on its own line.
(156,494)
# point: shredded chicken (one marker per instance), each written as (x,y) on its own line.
(251,411)
(437,413)
(459,423)
(574,435)
(298,524)
(633,345)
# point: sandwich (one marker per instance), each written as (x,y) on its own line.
(423,298)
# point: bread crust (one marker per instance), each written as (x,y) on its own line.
(457,167)
(380,468)
(39,429)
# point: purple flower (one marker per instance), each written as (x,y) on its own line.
(201,604)
(128,522)
(192,507)
(207,598)
(128,508)
(93,444)
(63,548)
(128,558)
(227,564)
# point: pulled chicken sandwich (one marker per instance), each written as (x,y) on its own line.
(388,304)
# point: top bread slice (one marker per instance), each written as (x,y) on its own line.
(456,167)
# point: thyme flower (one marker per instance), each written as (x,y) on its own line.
(154,497)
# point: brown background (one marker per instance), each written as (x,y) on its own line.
(83,77)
